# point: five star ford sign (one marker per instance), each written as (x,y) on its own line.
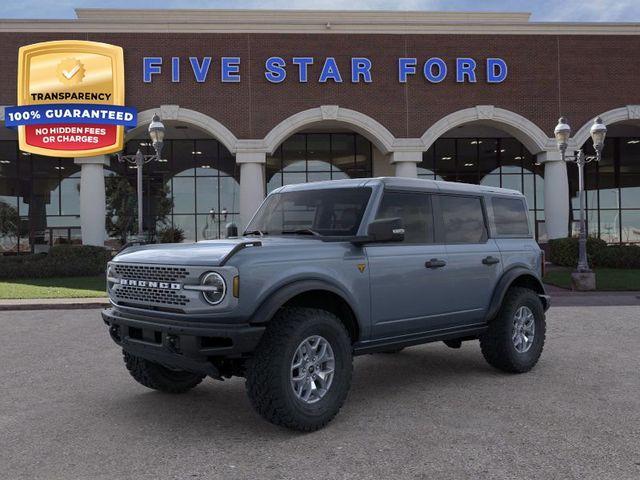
(70,99)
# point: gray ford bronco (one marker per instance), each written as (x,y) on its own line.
(323,272)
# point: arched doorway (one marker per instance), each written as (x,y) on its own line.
(326,143)
(195,188)
(612,186)
(319,154)
(486,155)
(39,199)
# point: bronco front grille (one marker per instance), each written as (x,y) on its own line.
(152,272)
(147,295)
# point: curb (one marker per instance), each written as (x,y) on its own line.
(53,304)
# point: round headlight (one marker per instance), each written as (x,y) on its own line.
(216,288)
(111,273)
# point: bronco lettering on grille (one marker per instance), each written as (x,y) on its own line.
(150,284)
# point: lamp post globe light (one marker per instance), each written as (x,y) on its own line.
(583,278)
(156,134)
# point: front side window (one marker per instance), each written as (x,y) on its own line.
(463,219)
(327,212)
(414,209)
(510,217)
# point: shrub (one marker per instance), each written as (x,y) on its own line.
(564,252)
(171,235)
(61,261)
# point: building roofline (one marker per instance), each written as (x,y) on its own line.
(279,16)
(310,21)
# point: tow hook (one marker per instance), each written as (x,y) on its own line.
(173,343)
(114,331)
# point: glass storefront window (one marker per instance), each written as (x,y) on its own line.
(612,190)
(312,157)
(496,162)
(630,225)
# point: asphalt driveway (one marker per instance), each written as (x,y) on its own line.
(69,410)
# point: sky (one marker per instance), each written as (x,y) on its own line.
(542,10)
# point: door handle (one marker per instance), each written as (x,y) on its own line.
(490,260)
(434,263)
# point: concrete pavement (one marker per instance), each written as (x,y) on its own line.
(69,410)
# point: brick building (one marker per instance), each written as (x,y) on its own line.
(256,99)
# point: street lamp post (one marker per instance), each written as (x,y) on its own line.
(156,133)
(598,132)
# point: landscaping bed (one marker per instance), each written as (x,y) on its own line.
(607,279)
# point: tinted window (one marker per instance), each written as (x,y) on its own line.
(510,216)
(335,211)
(463,219)
(414,209)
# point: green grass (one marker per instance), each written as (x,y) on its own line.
(69,287)
(607,279)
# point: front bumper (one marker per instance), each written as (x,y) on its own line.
(184,345)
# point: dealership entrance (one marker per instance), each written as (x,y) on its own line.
(198,185)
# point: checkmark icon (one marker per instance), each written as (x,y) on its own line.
(71,73)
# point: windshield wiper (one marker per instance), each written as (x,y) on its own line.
(254,232)
(301,231)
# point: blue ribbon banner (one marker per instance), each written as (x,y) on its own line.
(70,113)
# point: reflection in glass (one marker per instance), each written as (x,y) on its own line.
(312,157)
(630,226)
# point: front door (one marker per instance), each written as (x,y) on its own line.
(408,279)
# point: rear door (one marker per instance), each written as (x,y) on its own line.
(408,287)
(474,262)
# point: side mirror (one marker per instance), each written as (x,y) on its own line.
(386,230)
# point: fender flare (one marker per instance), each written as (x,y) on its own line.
(281,295)
(507,279)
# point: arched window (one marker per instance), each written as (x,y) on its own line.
(499,162)
(312,157)
(200,180)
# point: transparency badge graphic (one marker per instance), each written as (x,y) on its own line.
(70,99)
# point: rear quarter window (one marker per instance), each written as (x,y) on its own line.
(510,217)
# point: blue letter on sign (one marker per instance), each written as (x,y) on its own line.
(465,67)
(275,69)
(406,66)
(428,70)
(496,70)
(175,69)
(200,71)
(303,64)
(360,66)
(150,66)
(330,71)
(230,71)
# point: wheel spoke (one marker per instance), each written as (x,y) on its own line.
(523,330)
(312,369)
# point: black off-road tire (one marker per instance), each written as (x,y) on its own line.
(496,343)
(155,376)
(268,381)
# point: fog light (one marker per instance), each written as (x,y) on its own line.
(216,288)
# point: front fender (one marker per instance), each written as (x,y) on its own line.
(509,277)
(285,292)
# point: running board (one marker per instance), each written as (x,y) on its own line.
(361,348)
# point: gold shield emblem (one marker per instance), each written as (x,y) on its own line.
(71,72)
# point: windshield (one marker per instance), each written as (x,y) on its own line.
(327,212)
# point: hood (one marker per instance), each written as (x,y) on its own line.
(204,253)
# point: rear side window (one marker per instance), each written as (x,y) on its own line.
(463,219)
(510,216)
(414,209)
